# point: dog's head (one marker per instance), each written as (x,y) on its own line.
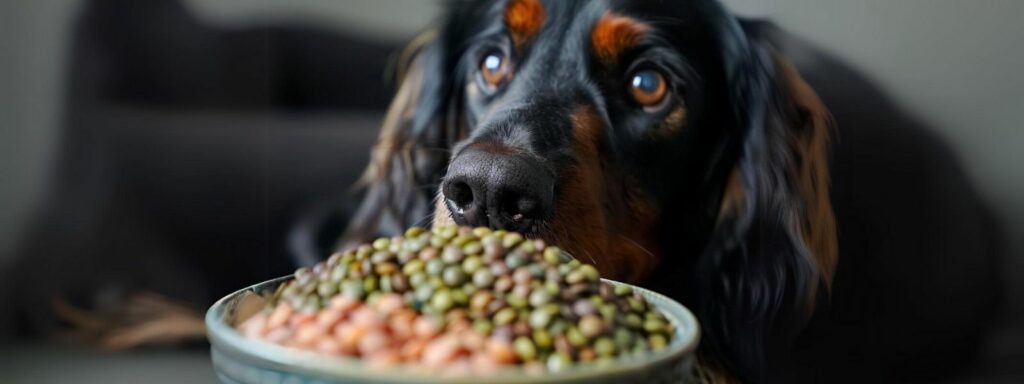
(657,140)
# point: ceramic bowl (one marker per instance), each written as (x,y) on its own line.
(237,359)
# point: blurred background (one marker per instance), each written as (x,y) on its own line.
(156,144)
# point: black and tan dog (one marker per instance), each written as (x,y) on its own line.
(672,145)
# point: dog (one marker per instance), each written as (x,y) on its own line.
(676,146)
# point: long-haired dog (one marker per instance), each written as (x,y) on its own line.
(669,144)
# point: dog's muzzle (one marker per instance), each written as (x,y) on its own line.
(498,188)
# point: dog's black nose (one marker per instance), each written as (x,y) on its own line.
(499,189)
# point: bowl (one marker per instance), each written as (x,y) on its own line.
(238,359)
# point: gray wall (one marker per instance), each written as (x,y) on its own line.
(392,20)
(33,45)
(953,63)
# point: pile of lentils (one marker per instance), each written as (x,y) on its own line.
(461,300)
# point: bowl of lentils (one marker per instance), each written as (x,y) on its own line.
(450,304)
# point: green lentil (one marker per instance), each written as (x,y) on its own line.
(540,297)
(539,318)
(481,231)
(413,266)
(558,361)
(527,247)
(311,304)
(657,341)
(468,288)
(633,320)
(460,297)
(654,325)
(553,255)
(608,312)
(370,284)
(515,260)
(454,276)
(483,326)
(525,348)
(575,337)
(575,277)
(452,254)
(589,272)
(483,278)
(417,279)
(442,300)
(473,248)
(435,267)
(413,232)
(505,316)
(381,244)
(511,239)
(424,292)
(353,289)
(385,284)
(542,339)
(381,256)
(338,273)
(623,338)
(604,347)
(635,304)
(517,301)
(326,289)
(558,327)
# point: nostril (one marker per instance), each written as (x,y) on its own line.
(460,193)
(518,207)
(527,206)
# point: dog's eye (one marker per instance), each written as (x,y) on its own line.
(648,88)
(494,69)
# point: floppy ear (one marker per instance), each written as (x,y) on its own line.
(411,154)
(774,245)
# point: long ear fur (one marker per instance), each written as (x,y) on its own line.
(411,153)
(774,245)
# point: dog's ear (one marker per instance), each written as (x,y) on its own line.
(411,153)
(774,246)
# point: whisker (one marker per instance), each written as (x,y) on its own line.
(429,218)
(589,256)
(631,241)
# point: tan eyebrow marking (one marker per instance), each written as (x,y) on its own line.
(614,34)
(524,19)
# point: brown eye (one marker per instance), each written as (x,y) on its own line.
(648,88)
(494,69)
